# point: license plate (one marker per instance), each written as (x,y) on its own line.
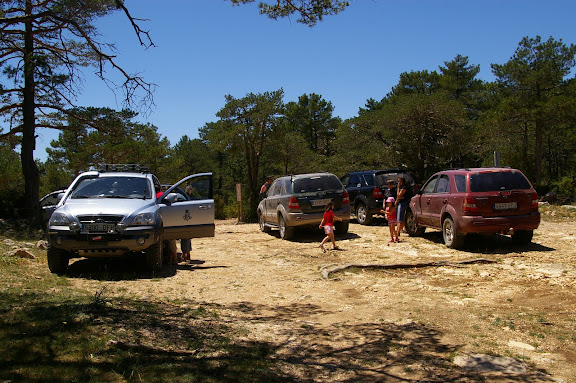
(320,202)
(505,206)
(99,227)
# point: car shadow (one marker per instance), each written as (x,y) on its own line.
(129,267)
(489,244)
(303,235)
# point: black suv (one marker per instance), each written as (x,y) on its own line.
(367,189)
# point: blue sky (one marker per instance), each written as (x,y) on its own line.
(206,49)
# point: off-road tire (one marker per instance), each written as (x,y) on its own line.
(153,256)
(57,260)
(262,223)
(412,227)
(522,237)
(452,238)
(342,227)
(286,232)
(363,216)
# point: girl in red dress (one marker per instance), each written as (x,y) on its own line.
(328,223)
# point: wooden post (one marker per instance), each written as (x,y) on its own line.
(239,200)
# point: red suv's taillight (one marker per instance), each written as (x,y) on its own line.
(345,198)
(469,206)
(293,203)
(377,193)
(534,204)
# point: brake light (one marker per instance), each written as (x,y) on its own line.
(534,204)
(377,193)
(345,198)
(293,203)
(470,206)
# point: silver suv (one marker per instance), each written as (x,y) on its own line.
(300,200)
(120,209)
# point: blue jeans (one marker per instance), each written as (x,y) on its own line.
(401,210)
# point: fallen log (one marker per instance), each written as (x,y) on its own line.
(327,270)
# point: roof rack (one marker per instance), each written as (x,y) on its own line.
(103,168)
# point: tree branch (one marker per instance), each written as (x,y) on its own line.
(327,270)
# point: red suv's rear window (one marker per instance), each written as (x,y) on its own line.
(498,181)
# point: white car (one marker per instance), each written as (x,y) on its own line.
(120,210)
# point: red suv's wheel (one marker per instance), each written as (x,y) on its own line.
(412,227)
(522,237)
(452,238)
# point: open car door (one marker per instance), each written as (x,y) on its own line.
(187,208)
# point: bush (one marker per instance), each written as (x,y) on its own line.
(564,188)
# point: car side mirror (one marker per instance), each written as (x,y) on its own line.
(171,198)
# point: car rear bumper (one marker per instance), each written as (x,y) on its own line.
(310,219)
(478,224)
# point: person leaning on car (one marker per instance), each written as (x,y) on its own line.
(404,194)
(265,187)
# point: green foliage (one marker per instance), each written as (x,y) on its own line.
(11,182)
(245,127)
(310,11)
(536,98)
(102,135)
(565,187)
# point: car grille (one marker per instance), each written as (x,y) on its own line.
(100,218)
(99,223)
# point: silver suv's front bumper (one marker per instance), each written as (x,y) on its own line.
(102,244)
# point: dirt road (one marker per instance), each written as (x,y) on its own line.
(511,320)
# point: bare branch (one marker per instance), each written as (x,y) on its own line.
(137,29)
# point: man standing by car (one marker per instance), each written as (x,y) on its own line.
(264,188)
(404,195)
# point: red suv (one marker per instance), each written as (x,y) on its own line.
(479,200)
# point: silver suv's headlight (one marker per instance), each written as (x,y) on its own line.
(143,219)
(59,219)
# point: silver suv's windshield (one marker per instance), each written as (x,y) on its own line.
(112,187)
(317,183)
(498,181)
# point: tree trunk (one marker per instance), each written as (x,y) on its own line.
(29,168)
(538,153)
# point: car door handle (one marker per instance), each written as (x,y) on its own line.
(204,207)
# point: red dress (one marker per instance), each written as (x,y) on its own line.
(329,218)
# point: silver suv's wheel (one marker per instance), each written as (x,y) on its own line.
(153,256)
(57,260)
(452,238)
(286,232)
(263,227)
(363,216)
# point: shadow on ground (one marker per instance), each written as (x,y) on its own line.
(126,268)
(488,244)
(111,339)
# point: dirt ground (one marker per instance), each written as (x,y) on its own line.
(513,320)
